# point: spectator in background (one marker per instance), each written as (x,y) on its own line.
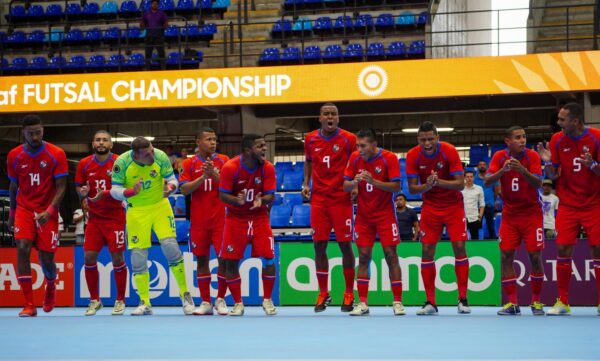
(155,22)
(79,219)
(549,207)
(474,204)
(171,154)
(408,220)
(178,166)
(490,194)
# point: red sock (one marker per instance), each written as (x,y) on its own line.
(221,286)
(363,288)
(204,286)
(268,282)
(461,268)
(428,273)
(509,286)
(120,274)
(349,277)
(536,280)
(563,277)
(597,274)
(323,279)
(397,290)
(235,288)
(25,283)
(91,278)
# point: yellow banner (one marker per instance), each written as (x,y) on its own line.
(573,71)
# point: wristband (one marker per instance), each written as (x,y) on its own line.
(547,163)
(171,187)
(128,193)
(53,211)
(12,212)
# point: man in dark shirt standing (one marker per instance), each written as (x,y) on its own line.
(408,221)
(155,22)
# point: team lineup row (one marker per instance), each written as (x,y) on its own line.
(230,201)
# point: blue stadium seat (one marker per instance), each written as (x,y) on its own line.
(332,53)
(182,230)
(18,66)
(221,4)
(135,62)
(57,62)
(343,23)
(4,65)
(210,28)
(90,10)
(396,50)
(54,12)
(281,167)
(384,23)
(292,181)
(39,64)
(77,63)
(56,35)
(17,39)
(192,31)
(364,23)
(292,199)
(17,13)
(135,35)
(375,51)
(406,20)
(278,199)
(313,4)
(73,11)
(293,4)
(279,180)
(204,4)
(422,20)
(35,12)
(171,33)
(354,52)
(108,10)
(416,49)
(323,26)
(74,37)
(477,153)
(402,162)
(145,5)
(302,25)
(129,9)
(185,5)
(179,209)
(299,167)
(312,54)
(115,61)
(112,35)
(281,27)
(496,147)
(301,215)
(36,38)
(97,63)
(269,56)
(280,216)
(93,36)
(291,55)
(334,3)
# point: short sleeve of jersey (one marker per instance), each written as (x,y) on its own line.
(118,172)
(393,167)
(62,167)
(79,176)
(350,171)
(536,163)
(270,181)
(186,175)
(351,142)
(411,165)
(10,162)
(454,164)
(554,150)
(494,164)
(163,161)
(226,180)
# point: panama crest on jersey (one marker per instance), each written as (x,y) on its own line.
(336,147)
(378,170)
(586,149)
(153,173)
(257,180)
(440,165)
(43,164)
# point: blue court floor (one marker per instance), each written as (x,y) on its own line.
(297,333)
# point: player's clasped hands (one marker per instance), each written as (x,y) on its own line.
(257,201)
(241,197)
(41,218)
(587,159)
(168,189)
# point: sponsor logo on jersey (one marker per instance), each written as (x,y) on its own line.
(422,167)
(92,174)
(24,166)
(257,180)
(336,147)
(43,164)
(317,149)
(378,170)
(566,149)
(153,173)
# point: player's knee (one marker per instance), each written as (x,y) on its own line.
(266,262)
(171,250)
(391,258)
(139,260)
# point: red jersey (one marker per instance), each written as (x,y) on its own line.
(98,176)
(577,186)
(385,168)
(519,197)
(35,174)
(329,157)
(235,177)
(207,209)
(446,162)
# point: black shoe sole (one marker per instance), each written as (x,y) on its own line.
(322,307)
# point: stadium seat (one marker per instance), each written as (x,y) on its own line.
(182,230)
(209,29)
(54,12)
(77,63)
(91,10)
(396,50)
(269,56)
(172,33)
(39,64)
(135,62)
(332,53)
(282,167)
(282,28)
(279,180)
(114,62)
(185,7)
(16,14)
(292,181)
(17,39)
(145,5)
(204,4)
(422,19)
(496,147)
(56,35)
(18,66)
(292,199)
(97,63)
(293,5)
(112,35)
(323,26)
(280,216)
(416,49)
(168,6)
(57,63)
(93,36)
(301,215)
(278,199)
(299,167)
(74,37)
(108,10)
(220,6)
(129,9)
(73,11)
(334,3)
(4,65)
(477,153)
(35,12)
(343,24)
(406,21)
(313,4)
(375,51)
(190,32)
(36,38)
(364,23)
(179,209)
(354,52)
(134,35)
(291,55)
(312,54)
(384,23)
(302,27)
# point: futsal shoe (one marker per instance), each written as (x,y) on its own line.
(237,310)
(398,309)
(510,309)
(188,303)
(119,308)
(323,301)
(28,311)
(361,309)
(463,306)
(269,307)
(221,307)
(428,309)
(93,307)
(49,297)
(205,309)
(537,308)
(559,309)
(348,303)
(142,310)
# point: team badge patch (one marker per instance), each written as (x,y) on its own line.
(229,249)
(440,165)
(109,173)
(257,180)
(153,173)
(378,170)
(586,149)
(43,164)
(134,239)
(336,147)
